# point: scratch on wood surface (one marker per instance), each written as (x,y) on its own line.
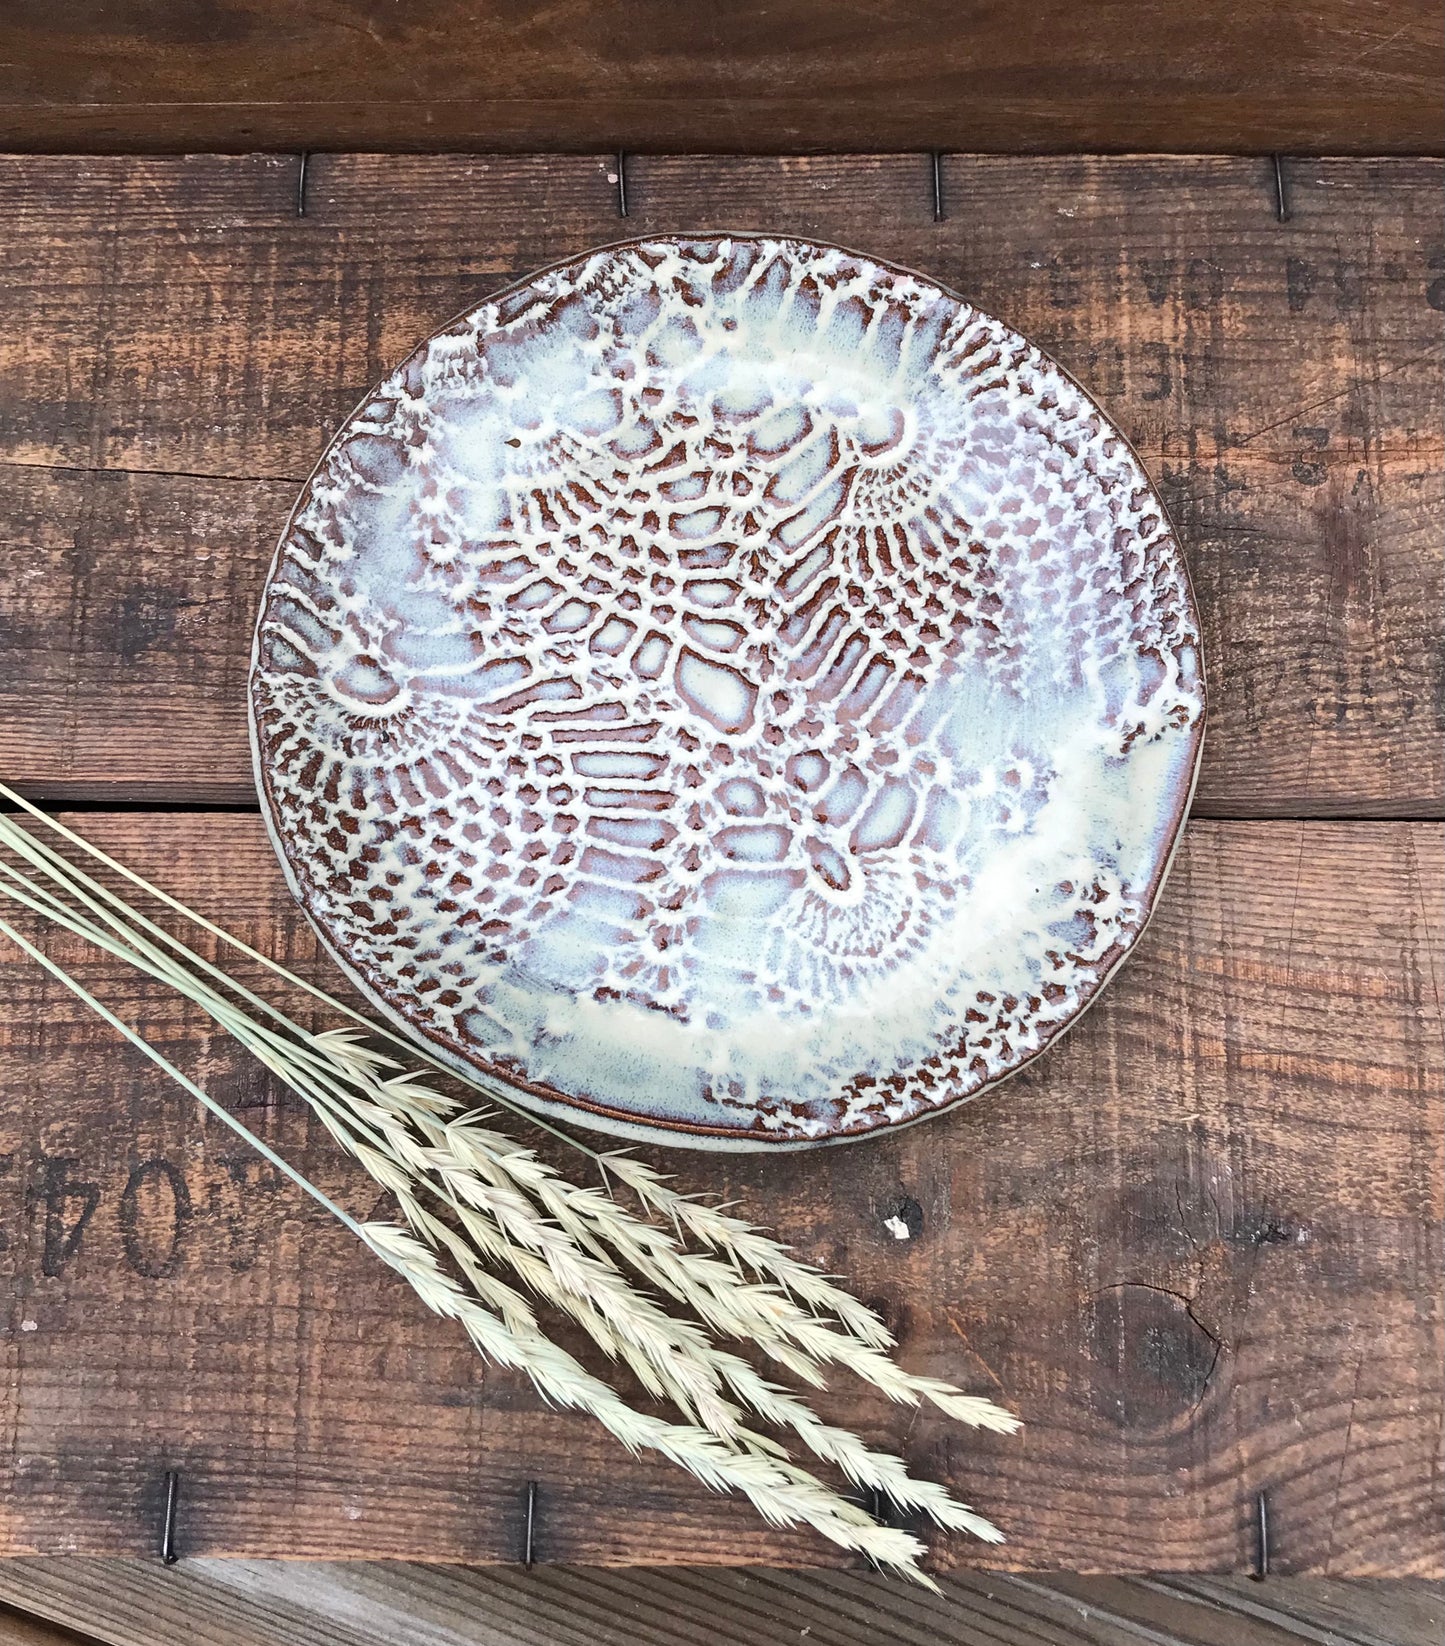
(160,474)
(962,1336)
(1431,943)
(1344,1459)
(1381,45)
(1352,387)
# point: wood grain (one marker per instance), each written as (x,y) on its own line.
(16,1630)
(1199,1245)
(274,1603)
(1355,76)
(176,345)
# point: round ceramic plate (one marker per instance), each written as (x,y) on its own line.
(731,688)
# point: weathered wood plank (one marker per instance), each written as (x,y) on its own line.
(276,1603)
(1356,76)
(1372,1613)
(176,346)
(18,1630)
(1199,1245)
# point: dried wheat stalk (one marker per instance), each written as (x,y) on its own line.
(476,1204)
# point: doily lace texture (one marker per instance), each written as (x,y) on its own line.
(731,687)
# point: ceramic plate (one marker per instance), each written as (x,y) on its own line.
(731,688)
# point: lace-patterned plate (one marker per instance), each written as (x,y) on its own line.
(731,688)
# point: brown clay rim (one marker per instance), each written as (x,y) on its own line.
(559,1105)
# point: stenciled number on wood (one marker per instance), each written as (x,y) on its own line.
(141,1247)
(153,1206)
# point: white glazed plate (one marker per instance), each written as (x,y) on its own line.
(732,689)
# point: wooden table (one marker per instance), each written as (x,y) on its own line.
(1199,1245)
